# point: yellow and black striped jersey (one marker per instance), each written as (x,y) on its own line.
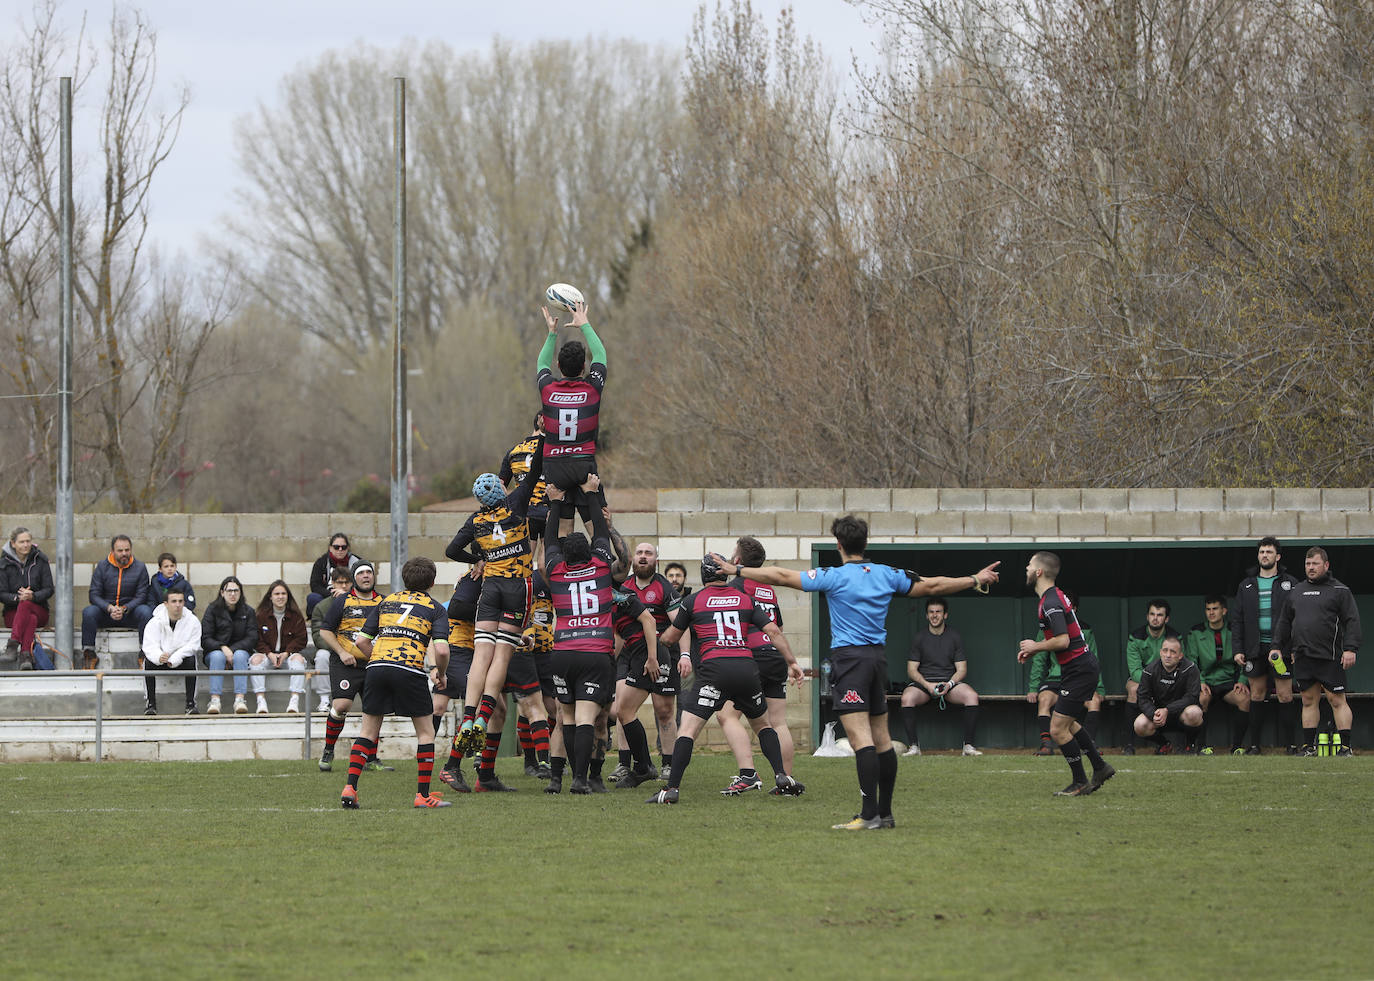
(502,537)
(516,466)
(402,626)
(539,627)
(347,616)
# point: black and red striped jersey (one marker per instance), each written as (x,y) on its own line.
(1056,616)
(764,596)
(720,618)
(658,596)
(582,605)
(572,410)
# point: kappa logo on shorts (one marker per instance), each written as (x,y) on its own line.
(851,697)
(707,693)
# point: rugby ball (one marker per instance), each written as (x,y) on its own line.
(563,296)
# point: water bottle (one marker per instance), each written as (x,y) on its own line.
(1335,743)
(825,676)
(1276,662)
(1323,744)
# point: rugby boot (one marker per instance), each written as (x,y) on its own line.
(668,795)
(741,784)
(327,759)
(1102,775)
(492,785)
(555,785)
(786,786)
(857,823)
(619,773)
(454,779)
(580,786)
(349,798)
(597,786)
(432,799)
(1075,790)
(633,779)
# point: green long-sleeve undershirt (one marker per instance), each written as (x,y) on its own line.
(596,351)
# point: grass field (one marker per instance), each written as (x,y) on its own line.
(1254,867)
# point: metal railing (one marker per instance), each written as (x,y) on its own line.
(99,675)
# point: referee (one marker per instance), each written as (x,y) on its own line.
(859,594)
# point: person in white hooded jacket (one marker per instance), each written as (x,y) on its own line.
(171,642)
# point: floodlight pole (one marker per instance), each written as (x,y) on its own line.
(400,467)
(63,570)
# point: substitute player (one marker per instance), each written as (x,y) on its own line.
(859,594)
(406,626)
(1078,676)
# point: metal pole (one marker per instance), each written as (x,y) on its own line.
(99,714)
(400,491)
(63,573)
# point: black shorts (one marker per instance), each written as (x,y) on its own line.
(456,677)
(569,474)
(543,664)
(1261,667)
(722,679)
(635,676)
(929,690)
(772,672)
(858,680)
(1221,689)
(344,681)
(581,677)
(393,690)
(1309,671)
(522,676)
(506,599)
(1077,683)
(1172,723)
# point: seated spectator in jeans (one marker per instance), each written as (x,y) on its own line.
(229,636)
(281,641)
(1168,696)
(119,596)
(25,587)
(171,641)
(339,556)
(165,578)
(340,581)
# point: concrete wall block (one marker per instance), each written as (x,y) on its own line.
(963,499)
(804,547)
(233,749)
(261,525)
(169,528)
(723,545)
(779,549)
(1297,499)
(236,550)
(706,523)
(1345,499)
(1360,525)
(1320,524)
(83,526)
(213,526)
(1281,524)
(669,523)
(682,549)
(430,547)
(754,523)
(1009,499)
(689,499)
(257,574)
(725,499)
(1050,499)
(1225,524)
(899,523)
(820,499)
(206,577)
(798,523)
(189,551)
(285,749)
(142,752)
(631,524)
(773,499)
(940,524)
(1249,499)
(867,499)
(314,527)
(1178,524)
(1083,525)
(1130,524)
(109,525)
(1106,499)
(374,548)
(278,549)
(1152,499)
(1200,499)
(182,750)
(918,500)
(987,523)
(1034,524)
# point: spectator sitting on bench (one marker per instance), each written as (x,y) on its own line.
(229,637)
(1142,647)
(25,586)
(281,640)
(338,556)
(937,667)
(170,643)
(119,597)
(165,578)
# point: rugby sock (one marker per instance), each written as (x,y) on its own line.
(1240,725)
(970,723)
(333,725)
(1132,710)
(1345,736)
(887,780)
(1288,721)
(557,765)
(487,764)
(375,746)
(1089,748)
(594,766)
(665,759)
(539,742)
(424,761)
(1259,710)
(438,722)
(1309,736)
(455,756)
(1090,723)
(682,755)
(485,710)
(522,732)
(362,750)
(909,724)
(866,762)
(469,713)
(1074,759)
(772,749)
(1159,737)
(637,755)
(1191,735)
(583,736)
(1043,721)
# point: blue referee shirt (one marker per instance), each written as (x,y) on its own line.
(859,595)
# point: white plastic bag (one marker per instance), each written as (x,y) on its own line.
(830,746)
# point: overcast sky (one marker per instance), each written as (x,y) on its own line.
(233,54)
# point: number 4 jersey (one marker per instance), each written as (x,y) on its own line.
(720,618)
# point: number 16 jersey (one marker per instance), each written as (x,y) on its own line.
(719,617)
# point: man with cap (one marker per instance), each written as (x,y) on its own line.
(347,663)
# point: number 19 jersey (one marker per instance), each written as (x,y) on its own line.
(719,618)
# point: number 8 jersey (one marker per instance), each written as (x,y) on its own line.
(720,617)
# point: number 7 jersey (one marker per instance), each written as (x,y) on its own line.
(720,618)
